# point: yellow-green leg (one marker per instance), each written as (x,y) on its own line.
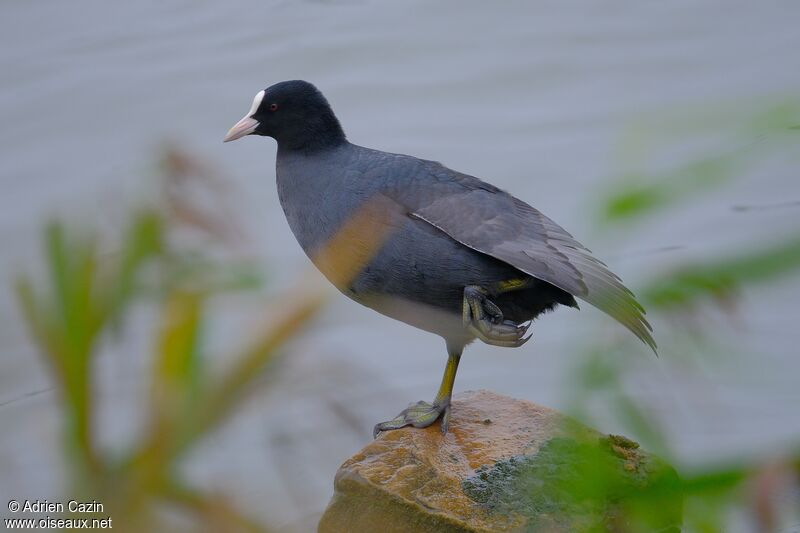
(482,319)
(423,414)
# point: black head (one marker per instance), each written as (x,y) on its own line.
(295,114)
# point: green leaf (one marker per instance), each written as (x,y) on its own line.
(718,278)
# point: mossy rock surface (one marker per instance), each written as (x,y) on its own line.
(586,483)
(505,465)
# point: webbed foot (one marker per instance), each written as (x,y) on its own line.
(419,415)
(423,414)
(485,320)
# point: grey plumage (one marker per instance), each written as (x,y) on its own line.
(318,192)
(446,230)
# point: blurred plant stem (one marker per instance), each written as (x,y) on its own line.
(68,323)
(85,296)
(88,294)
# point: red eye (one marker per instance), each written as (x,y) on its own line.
(273,107)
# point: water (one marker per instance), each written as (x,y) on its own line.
(534,98)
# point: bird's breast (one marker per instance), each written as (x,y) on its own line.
(339,224)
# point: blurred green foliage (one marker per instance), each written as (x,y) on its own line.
(582,482)
(638,193)
(719,277)
(87,297)
(83,299)
(762,488)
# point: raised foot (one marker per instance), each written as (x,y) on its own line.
(419,415)
(485,320)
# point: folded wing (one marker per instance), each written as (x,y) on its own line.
(493,222)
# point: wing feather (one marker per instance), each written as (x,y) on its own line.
(493,222)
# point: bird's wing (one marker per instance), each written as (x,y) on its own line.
(493,222)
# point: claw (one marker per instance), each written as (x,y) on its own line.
(505,334)
(523,340)
(445,419)
(484,319)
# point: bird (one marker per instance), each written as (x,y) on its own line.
(457,256)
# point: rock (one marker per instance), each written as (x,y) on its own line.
(505,465)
